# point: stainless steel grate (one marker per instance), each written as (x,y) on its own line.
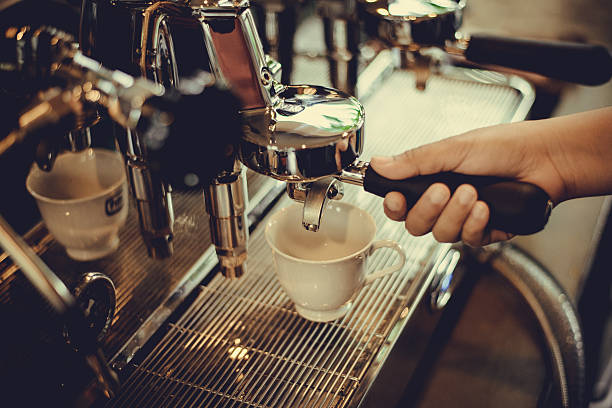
(241,343)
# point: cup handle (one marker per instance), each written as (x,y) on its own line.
(389,269)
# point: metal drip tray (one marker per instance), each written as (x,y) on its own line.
(241,343)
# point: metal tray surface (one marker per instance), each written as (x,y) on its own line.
(242,341)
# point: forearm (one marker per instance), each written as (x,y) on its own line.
(580,148)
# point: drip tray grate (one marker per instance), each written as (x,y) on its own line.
(241,342)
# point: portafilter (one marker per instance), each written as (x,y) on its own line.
(314,133)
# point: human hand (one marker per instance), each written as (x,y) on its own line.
(512,151)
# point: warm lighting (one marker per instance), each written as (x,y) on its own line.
(11,32)
(382,11)
(238,353)
(93,96)
(77,91)
(21,33)
(34,113)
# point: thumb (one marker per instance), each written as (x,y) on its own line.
(445,155)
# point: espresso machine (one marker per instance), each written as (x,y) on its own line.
(151,60)
(307,136)
(79,85)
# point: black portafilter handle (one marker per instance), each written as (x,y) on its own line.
(514,207)
(585,64)
(191,138)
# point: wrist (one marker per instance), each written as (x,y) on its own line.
(579,147)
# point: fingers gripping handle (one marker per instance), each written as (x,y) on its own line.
(514,207)
(390,269)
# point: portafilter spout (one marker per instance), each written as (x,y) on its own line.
(314,196)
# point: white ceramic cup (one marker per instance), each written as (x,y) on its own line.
(323,271)
(83,201)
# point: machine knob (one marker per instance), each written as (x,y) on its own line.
(95,296)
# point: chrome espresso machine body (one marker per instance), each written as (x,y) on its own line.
(276,117)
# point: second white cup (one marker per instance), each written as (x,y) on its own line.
(323,271)
(83,201)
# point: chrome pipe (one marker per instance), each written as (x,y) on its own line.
(48,285)
(554,312)
(155,33)
(54,291)
(226,202)
(154,205)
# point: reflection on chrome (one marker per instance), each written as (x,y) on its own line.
(415,9)
(421,8)
(237,352)
(311,132)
